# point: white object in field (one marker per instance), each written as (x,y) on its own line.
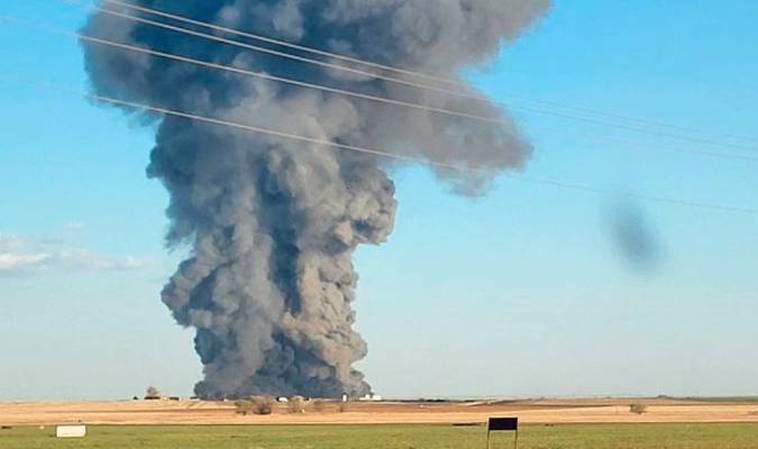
(344,397)
(371,397)
(282,399)
(76,431)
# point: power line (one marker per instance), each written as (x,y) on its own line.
(446,80)
(236,70)
(283,43)
(444,91)
(355,60)
(634,129)
(638,146)
(262,75)
(382,153)
(282,54)
(628,118)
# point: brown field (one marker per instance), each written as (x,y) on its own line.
(529,411)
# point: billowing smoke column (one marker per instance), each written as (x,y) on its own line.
(272,222)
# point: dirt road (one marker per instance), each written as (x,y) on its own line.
(542,411)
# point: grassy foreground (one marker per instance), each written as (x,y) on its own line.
(639,436)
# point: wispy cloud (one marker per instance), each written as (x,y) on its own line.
(26,256)
(74,226)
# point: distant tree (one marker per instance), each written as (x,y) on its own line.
(152,393)
(296,405)
(244,406)
(257,405)
(319,405)
(263,405)
(638,408)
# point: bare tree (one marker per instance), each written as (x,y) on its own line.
(257,405)
(638,408)
(152,393)
(244,406)
(263,405)
(296,405)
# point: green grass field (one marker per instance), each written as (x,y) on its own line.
(668,436)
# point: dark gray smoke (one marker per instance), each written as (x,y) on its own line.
(273,223)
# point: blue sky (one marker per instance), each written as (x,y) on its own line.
(520,292)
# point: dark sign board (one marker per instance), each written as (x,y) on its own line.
(503,424)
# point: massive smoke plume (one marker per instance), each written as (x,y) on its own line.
(273,223)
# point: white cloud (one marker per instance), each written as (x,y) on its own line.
(74,226)
(9,261)
(24,256)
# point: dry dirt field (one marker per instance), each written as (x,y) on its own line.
(529,411)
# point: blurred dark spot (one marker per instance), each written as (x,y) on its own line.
(635,237)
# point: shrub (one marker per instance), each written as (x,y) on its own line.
(342,407)
(296,405)
(152,393)
(263,405)
(319,405)
(257,405)
(244,406)
(638,408)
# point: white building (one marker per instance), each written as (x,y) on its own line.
(71,431)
